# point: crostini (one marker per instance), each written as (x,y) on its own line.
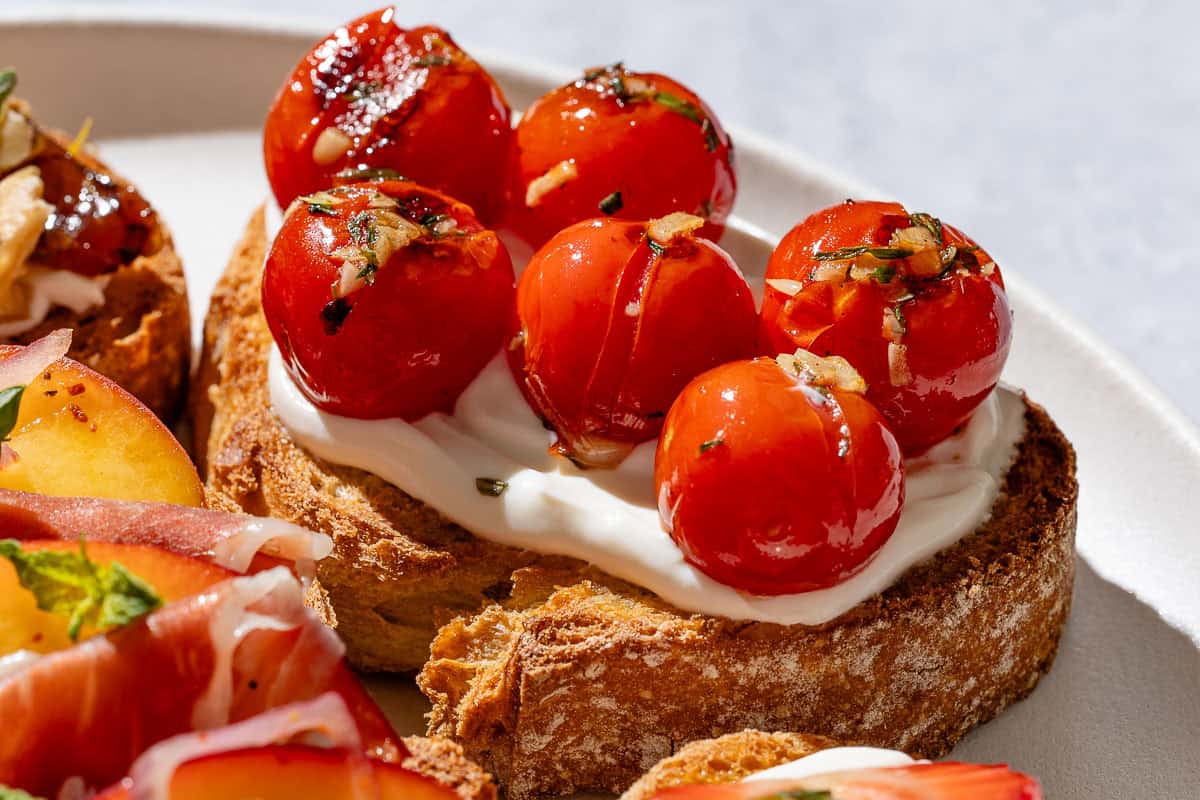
(629,508)
(81,249)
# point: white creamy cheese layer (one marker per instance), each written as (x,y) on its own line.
(835,759)
(609,517)
(51,288)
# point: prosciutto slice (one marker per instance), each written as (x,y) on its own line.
(245,646)
(230,540)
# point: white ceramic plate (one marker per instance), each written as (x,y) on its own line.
(178,106)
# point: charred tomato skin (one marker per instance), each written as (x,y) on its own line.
(958,327)
(643,146)
(610,326)
(408,100)
(408,343)
(762,487)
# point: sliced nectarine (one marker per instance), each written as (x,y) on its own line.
(78,433)
(23,626)
(285,772)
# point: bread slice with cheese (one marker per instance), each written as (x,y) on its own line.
(726,759)
(140,335)
(558,678)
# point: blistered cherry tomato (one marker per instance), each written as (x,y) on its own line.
(777,476)
(632,145)
(917,307)
(386,299)
(375,95)
(614,318)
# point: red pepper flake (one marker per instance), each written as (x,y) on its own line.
(37,637)
(50,392)
(92,427)
(77,388)
(77,412)
(46,375)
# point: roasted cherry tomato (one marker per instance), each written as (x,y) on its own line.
(614,318)
(917,307)
(632,145)
(386,299)
(375,95)
(777,476)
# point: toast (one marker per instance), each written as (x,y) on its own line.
(444,761)
(725,759)
(141,335)
(571,680)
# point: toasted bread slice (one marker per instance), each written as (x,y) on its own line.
(141,336)
(444,761)
(573,680)
(726,759)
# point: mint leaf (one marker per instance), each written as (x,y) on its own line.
(8,82)
(10,408)
(72,585)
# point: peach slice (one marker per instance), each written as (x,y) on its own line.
(23,626)
(284,772)
(80,434)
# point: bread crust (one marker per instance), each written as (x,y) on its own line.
(141,336)
(573,680)
(445,762)
(726,759)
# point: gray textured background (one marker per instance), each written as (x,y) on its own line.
(1060,135)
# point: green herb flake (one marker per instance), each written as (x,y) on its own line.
(929,223)
(433,60)
(679,106)
(884,274)
(655,247)
(846,253)
(898,310)
(370,266)
(361,226)
(8,82)
(490,487)
(10,408)
(430,219)
(611,204)
(8,793)
(72,585)
(370,174)
(360,90)
(710,444)
(711,142)
(600,72)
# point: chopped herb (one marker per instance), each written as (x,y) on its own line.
(8,82)
(656,247)
(929,223)
(10,407)
(710,444)
(679,106)
(900,319)
(362,229)
(431,219)
(72,585)
(884,274)
(432,60)
(8,793)
(711,141)
(370,174)
(845,253)
(370,266)
(360,90)
(490,487)
(321,209)
(334,314)
(611,204)
(321,203)
(599,72)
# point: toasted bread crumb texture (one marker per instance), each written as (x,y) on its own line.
(444,761)
(581,683)
(397,563)
(141,337)
(726,759)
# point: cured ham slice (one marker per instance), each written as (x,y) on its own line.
(243,647)
(229,540)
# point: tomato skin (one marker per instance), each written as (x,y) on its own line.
(958,327)
(611,331)
(445,125)
(751,486)
(438,311)
(657,158)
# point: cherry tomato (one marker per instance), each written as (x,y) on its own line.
(375,95)
(386,299)
(917,307)
(632,145)
(776,476)
(614,318)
